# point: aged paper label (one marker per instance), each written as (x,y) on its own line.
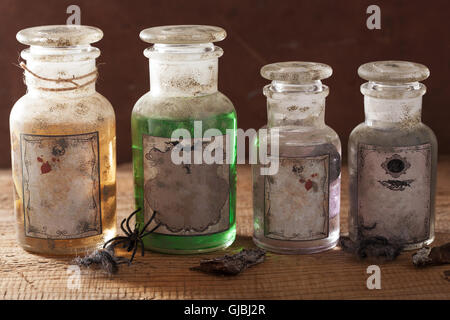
(190,199)
(296,199)
(394,192)
(61,186)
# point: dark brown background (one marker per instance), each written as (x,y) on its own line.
(259,32)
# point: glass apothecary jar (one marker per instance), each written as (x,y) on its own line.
(193,199)
(63,145)
(296,208)
(392,158)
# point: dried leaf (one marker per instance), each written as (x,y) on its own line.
(432,256)
(232,264)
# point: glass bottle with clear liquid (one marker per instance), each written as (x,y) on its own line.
(63,145)
(296,207)
(194,201)
(392,158)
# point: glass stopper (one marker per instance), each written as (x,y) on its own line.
(296,72)
(393,71)
(183,34)
(59,36)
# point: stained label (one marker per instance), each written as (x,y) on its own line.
(297,200)
(394,191)
(61,184)
(190,199)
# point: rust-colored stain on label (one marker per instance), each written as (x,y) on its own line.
(46,168)
(308,185)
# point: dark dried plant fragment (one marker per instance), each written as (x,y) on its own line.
(371,247)
(447,275)
(104,259)
(232,264)
(432,256)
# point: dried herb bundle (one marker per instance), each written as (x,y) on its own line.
(432,256)
(232,264)
(103,258)
(371,247)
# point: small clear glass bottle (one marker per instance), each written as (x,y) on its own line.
(63,145)
(194,201)
(296,210)
(392,158)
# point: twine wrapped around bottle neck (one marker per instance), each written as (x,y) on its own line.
(65,80)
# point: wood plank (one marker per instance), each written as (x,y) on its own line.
(328,275)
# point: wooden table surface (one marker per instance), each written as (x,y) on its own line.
(329,275)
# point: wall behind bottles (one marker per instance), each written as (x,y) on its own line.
(259,32)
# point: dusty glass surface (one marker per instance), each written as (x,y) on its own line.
(392,158)
(296,210)
(63,145)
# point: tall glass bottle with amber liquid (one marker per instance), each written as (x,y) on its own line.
(193,201)
(392,158)
(63,145)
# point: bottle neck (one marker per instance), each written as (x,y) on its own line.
(392,112)
(294,105)
(66,72)
(183,70)
(393,105)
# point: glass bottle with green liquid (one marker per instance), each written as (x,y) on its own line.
(184,135)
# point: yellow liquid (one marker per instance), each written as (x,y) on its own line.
(76,120)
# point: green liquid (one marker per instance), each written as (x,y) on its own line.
(164,128)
